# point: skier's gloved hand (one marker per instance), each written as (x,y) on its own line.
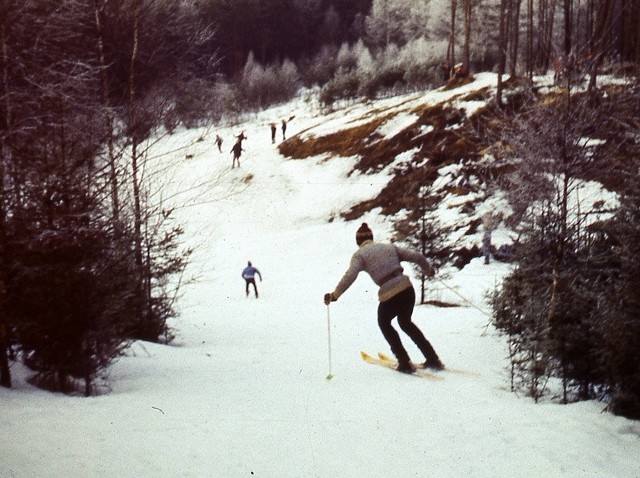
(328,298)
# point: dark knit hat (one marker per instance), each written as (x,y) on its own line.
(364,234)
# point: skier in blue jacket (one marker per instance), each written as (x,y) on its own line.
(249,275)
(396,294)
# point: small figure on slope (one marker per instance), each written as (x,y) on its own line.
(396,294)
(488,225)
(236,151)
(241,137)
(219,142)
(446,70)
(249,275)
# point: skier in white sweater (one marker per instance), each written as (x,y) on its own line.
(396,294)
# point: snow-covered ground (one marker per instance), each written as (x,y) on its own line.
(242,391)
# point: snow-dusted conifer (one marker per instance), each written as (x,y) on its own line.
(396,21)
(346,57)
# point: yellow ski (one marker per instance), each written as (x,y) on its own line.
(391,364)
(386,358)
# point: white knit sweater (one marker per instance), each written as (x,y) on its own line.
(382,263)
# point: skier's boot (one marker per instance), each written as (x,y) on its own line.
(405,367)
(434,364)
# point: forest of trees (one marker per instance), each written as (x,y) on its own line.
(363,47)
(569,307)
(87,259)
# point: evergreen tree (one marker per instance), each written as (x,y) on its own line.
(553,307)
(619,319)
(423,231)
(77,267)
(618,315)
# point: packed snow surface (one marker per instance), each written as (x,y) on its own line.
(242,391)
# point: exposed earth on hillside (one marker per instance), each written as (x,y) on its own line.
(467,131)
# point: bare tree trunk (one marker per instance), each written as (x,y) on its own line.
(530,58)
(602,27)
(106,101)
(452,34)
(568,26)
(541,61)
(636,20)
(589,25)
(502,48)
(546,18)
(135,173)
(5,371)
(515,37)
(466,55)
(558,272)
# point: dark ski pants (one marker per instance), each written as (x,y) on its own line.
(255,288)
(401,306)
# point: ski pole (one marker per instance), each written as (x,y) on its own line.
(330,375)
(467,301)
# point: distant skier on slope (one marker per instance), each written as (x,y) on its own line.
(236,151)
(249,275)
(488,224)
(396,294)
(241,137)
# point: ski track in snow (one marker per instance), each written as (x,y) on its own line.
(242,391)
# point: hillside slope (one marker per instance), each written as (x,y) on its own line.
(243,393)
(455,148)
